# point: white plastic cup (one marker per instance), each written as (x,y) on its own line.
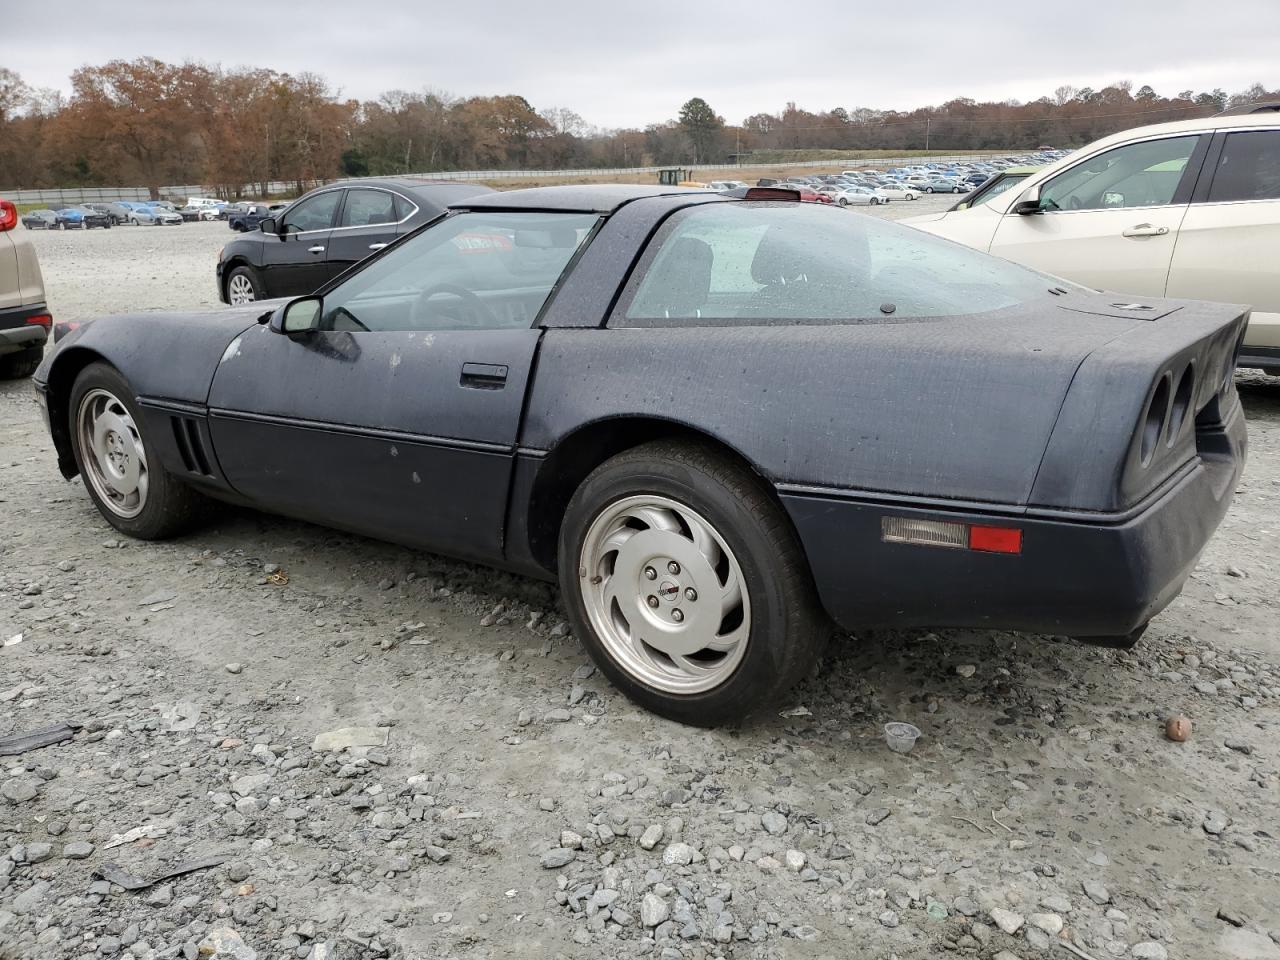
(901,737)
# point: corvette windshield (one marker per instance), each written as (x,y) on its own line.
(800,261)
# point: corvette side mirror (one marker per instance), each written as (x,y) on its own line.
(297,316)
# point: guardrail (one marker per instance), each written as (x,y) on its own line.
(69,195)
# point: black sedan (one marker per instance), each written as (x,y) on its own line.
(725,423)
(40,220)
(324,232)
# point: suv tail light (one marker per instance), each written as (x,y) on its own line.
(8,215)
(40,320)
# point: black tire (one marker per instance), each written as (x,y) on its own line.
(253,278)
(843,202)
(788,627)
(928,189)
(16,366)
(171,506)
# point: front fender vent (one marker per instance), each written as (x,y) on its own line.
(191,445)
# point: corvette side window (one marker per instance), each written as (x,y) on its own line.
(313,214)
(1143,174)
(471,271)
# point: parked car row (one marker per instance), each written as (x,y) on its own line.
(82,216)
(872,185)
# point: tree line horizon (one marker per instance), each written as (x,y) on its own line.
(148,122)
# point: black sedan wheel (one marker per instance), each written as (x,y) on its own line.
(243,286)
(686,583)
(123,475)
(928,189)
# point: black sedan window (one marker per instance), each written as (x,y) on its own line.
(754,261)
(483,270)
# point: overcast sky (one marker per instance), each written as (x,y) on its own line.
(637,65)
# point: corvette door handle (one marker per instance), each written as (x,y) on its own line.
(484,376)
(1145,230)
(376,246)
(316,249)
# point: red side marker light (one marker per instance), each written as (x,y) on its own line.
(40,320)
(995,539)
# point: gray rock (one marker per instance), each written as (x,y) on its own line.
(1006,920)
(653,910)
(965,906)
(39,852)
(234,667)
(557,858)
(438,854)
(774,822)
(20,789)
(559,715)
(1149,950)
(31,900)
(1050,923)
(1096,892)
(347,737)
(651,837)
(878,816)
(78,850)
(1215,822)
(678,854)
(889,919)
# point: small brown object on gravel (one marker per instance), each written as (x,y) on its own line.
(1178,729)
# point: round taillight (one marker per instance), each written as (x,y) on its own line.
(1154,419)
(1182,398)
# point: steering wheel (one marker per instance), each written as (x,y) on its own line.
(468,311)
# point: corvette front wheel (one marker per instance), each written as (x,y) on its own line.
(687,585)
(121,471)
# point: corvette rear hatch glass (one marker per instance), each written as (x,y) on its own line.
(758,261)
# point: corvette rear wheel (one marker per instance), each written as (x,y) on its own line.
(125,479)
(687,585)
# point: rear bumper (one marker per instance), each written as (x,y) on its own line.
(16,334)
(1083,575)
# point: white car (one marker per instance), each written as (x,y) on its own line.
(855,196)
(722,185)
(1186,209)
(898,191)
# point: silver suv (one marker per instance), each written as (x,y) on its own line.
(25,320)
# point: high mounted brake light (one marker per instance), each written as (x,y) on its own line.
(771,193)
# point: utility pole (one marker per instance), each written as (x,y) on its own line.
(927,122)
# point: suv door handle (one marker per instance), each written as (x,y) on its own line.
(376,246)
(1145,230)
(484,376)
(315,249)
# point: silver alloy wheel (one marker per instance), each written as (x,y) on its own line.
(115,461)
(665,594)
(240,290)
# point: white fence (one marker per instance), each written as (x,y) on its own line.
(67,195)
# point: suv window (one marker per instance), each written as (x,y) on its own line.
(366,208)
(1143,174)
(471,271)
(314,213)
(1249,168)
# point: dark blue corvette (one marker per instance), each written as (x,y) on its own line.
(723,422)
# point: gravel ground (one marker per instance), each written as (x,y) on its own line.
(496,798)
